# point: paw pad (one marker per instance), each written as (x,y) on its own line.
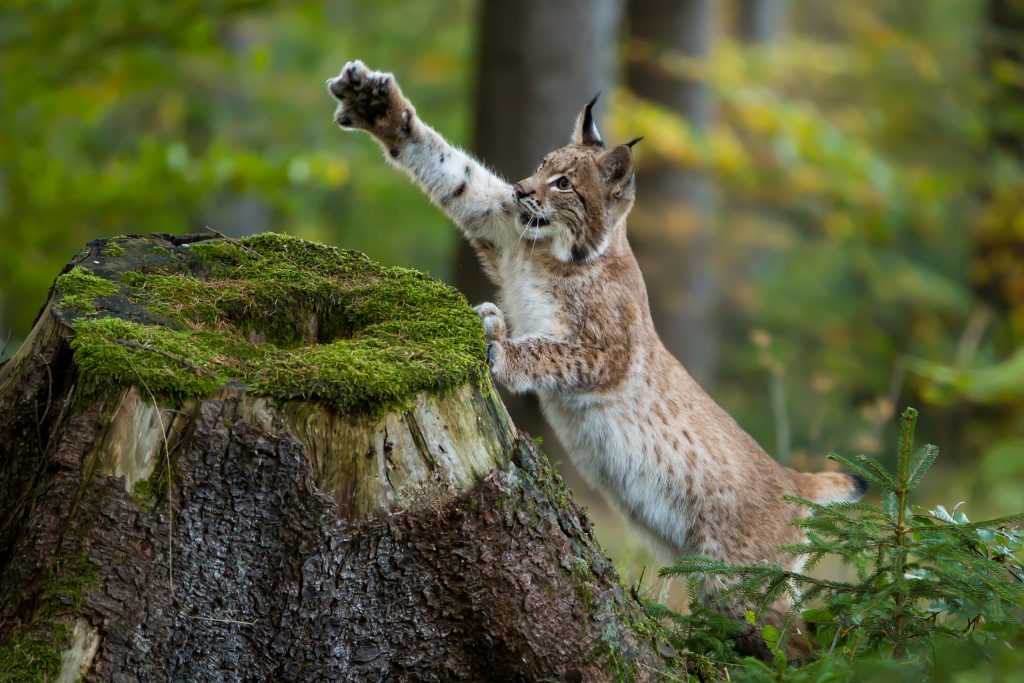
(364,97)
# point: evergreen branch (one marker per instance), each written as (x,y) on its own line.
(922,461)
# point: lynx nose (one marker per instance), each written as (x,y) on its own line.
(520,191)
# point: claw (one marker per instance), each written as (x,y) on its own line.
(351,73)
(336,87)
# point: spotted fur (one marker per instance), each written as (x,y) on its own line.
(575,328)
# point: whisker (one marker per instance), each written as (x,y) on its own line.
(525,228)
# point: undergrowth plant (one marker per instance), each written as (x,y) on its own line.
(934,595)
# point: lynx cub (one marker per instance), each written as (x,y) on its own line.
(575,328)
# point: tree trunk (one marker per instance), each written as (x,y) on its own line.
(999,245)
(672,231)
(760,20)
(169,514)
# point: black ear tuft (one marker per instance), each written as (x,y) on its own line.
(634,141)
(586,129)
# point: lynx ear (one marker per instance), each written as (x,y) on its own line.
(617,169)
(585,132)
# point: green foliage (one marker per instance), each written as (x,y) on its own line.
(870,211)
(932,593)
(123,117)
(289,318)
(992,384)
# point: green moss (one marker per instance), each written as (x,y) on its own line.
(113,249)
(289,318)
(621,670)
(67,584)
(34,653)
(144,492)
(80,288)
(28,659)
(151,492)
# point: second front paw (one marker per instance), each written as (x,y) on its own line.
(495,358)
(493,321)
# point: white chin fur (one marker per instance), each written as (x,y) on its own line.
(561,246)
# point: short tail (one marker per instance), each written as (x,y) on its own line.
(830,487)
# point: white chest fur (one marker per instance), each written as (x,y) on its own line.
(529,309)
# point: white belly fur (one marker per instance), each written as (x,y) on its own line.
(608,455)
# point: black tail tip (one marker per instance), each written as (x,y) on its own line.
(860,484)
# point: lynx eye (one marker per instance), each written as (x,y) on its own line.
(563,183)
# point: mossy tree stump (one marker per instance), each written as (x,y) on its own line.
(273,460)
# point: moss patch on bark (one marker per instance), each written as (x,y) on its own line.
(286,317)
(81,290)
(33,652)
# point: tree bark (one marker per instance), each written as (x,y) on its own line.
(672,230)
(239,536)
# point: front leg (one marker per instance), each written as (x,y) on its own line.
(535,362)
(479,202)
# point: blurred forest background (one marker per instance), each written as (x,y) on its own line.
(830,210)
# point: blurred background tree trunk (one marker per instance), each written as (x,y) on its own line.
(997,266)
(998,279)
(759,21)
(758,24)
(539,63)
(673,229)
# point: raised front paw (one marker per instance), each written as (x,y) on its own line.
(371,101)
(493,320)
